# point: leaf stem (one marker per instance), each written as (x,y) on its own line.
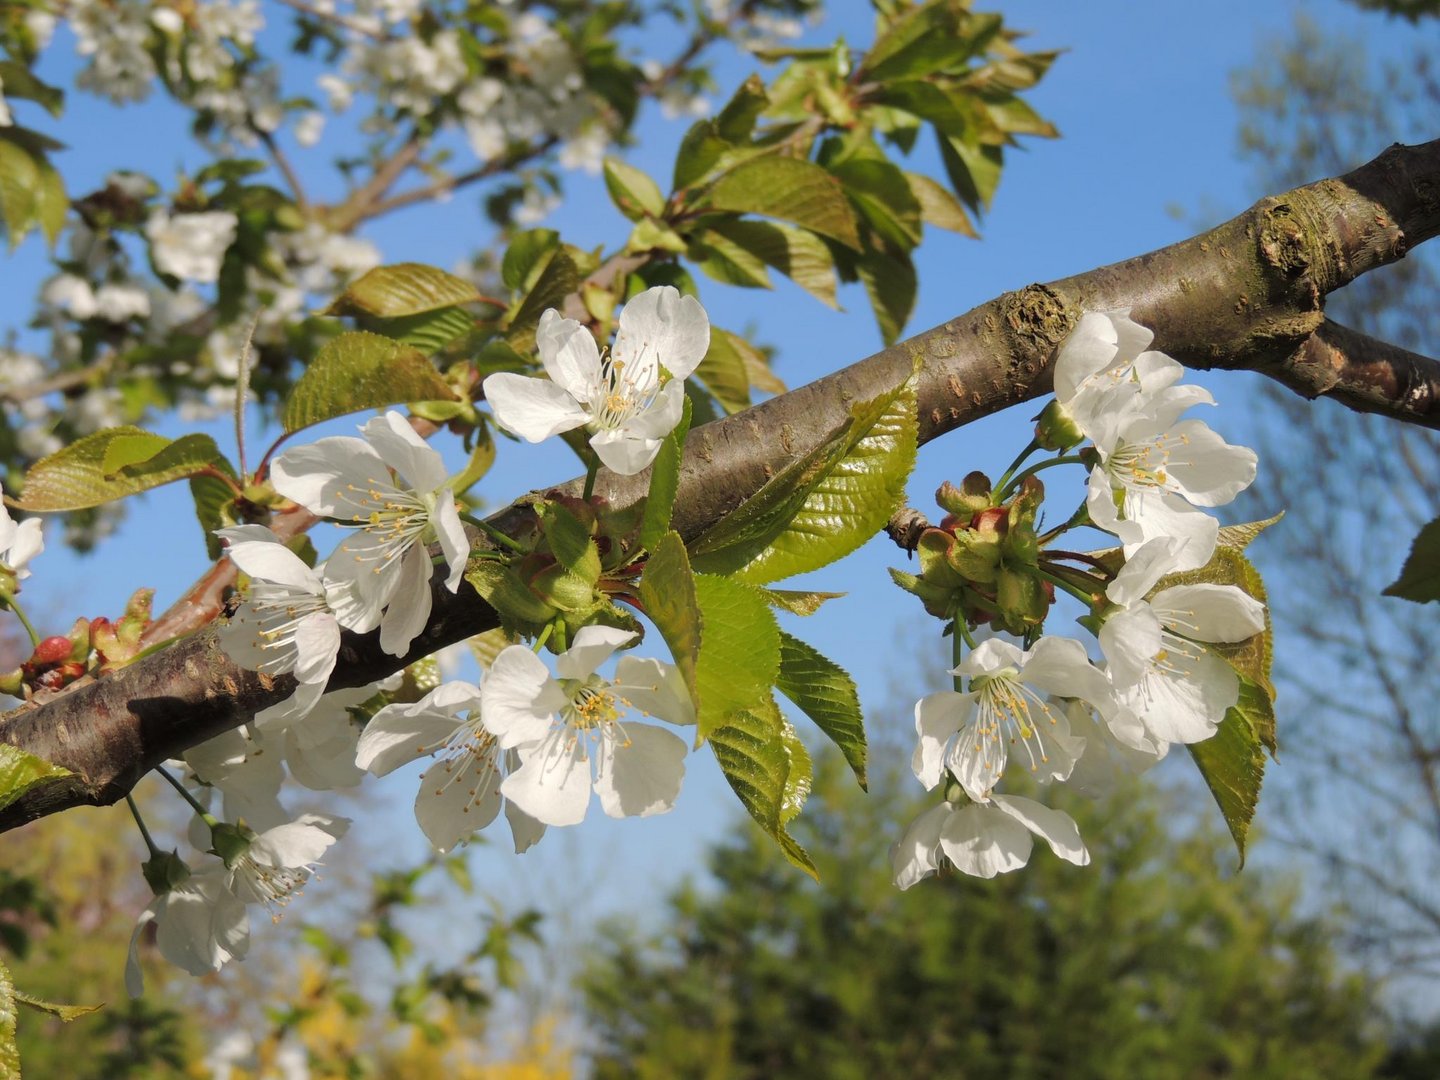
(544,637)
(494,533)
(1080,517)
(205,815)
(591,469)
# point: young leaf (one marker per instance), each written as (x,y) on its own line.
(938,207)
(739,655)
(798,602)
(21,771)
(570,542)
(664,483)
(1420,579)
(801,773)
(112,464)
(824,505)
(800,192)
(633,192)
(1232,761)
(403,289)
(667,589)
(736,121)
(359,370)
(891,285)
(798,254)
(824,692)
(723,372)
(524,258)
(752,753)
(428,331)
(212,496)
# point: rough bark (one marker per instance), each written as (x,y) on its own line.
(1248,294)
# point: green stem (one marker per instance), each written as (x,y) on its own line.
(1064,459)
(9,601)
(1088,599)
(205,815)
(494,533)
(959,638)
(1079,518)
(544,636)
(135,813)
(590,471)
(1033,445)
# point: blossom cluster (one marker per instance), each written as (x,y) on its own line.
(1152,478)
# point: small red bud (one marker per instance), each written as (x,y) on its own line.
(53,650)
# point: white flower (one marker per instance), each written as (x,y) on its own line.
(1154,652)
(191,246)
(618,397)
(18,545)
(309,126)
(394,491)
(120,303)
(1097,355)
(561,726)
(280,860)
(969,734)
(460,793)
(246,765)
(984,838)
(199,926)
(70,294)
(285,624)
(319,747)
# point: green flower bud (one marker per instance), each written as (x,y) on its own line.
(164,872)
(1055,428)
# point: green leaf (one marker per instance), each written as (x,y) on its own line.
(1419,580)
(974,170)
(824,505)
(1232,761)
(112,464)
(667,589)
(20,82)
(891,285)
(19,184)
(739,655)
(359,370)
(724,374)
(66,1013)
(520,610)
(20,771)
(570,542)
(884,198)
(1240,536)
(403,289)
(752,753)
(701,150)
(736,121)
(558,278)
(938,36)
(798,254)
(938,207)
(796,601)
(799,776)
(525,258)
(212,497)
(9,1052)
(664,483)
(790,189)
(726,261)
(428,331)
(823,691)
(51,202)
(632,191)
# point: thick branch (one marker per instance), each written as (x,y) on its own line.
(1364,374)
(1248,294)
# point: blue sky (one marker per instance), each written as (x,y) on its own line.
(1148,143)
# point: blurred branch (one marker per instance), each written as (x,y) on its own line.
(1246,294)
(1365,375)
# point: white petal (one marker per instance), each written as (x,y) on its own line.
(916,854)
(938,717)
(655,688)
(317,641)
(453,542)
(326,764)
(592,646)
(298,843)
(362,561)
(1188,705)
(1151,561)
(275,563)
(525,831)
(662,325)
(134,977)
(662,416)
(329,475)
(641,775)
(410,603)
(990,656)
(1209,612)
(1159,513)
(623,453)
(1088,350)
(457,798)
(977,761)
(405,451)
(1055,827)
(982,841)
(552,784)
(1060,665)
(1208,470)
(28,542)
(533,409)
(1130,640)
(400,734)
(353,609)
(519,699)
(569,353)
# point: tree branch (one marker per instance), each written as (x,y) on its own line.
(1364,374)
(1247,294)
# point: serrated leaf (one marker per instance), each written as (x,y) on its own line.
(938,207)
(798,779)
(739,655)
(632,191)
(20,771)
(359,370)
(112,464)
(559,277)
(726,261)
(667,589)
(884,198)
(736,121)
(798,601)
(1240,536)
(824,692)
(428,331)
(65,1013)
(723,372)
(9,1052)
(19,182)
(790,189)
(525,256)
(701,150)
(51,203)
(1232,761)
(664,482)
(891,285)
(403,289)
(974,170)
(750,749)
(20,82)
(212,496)
(797,253)
(824,505)
(933,37)
(1419,579)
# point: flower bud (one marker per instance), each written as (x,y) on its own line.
(230,841)
(53,650)
(1055,428)
(164,872)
